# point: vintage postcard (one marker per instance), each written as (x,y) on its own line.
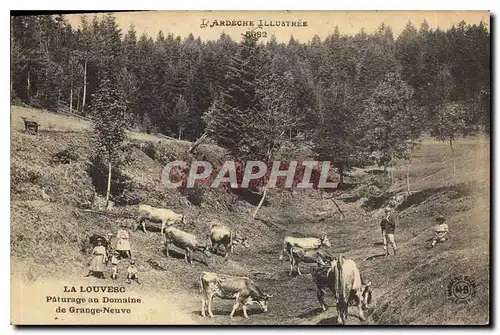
(250,168)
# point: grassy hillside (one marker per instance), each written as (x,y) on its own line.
(49,217)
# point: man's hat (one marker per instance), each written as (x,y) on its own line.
(440,218)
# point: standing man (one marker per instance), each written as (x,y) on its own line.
(388,226)
(441,231)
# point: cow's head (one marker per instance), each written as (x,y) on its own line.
(366,294)
(325,241)
(263,302)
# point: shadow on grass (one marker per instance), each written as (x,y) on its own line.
(333,320)
(374,256)
(178,255)
(223,312)
(311,313)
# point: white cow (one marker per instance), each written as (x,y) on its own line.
(346,282)
(304,243)
(186,241)
(242,289)
(299,255)
(222,235)
(164,216)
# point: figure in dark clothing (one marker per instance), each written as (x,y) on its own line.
(388,226)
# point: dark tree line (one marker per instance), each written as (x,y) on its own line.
(349,95)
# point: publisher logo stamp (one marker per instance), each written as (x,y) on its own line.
(461,289)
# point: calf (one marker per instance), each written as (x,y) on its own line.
(346,282)
(242,289)
(30,125)
(299,255)
(157,215)
(304,243)
(185,241)
(324,280)
(222,235)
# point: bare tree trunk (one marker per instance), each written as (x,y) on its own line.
(392,170)
(84,85)
(180,132)
(453,156)
(28,85)
(108,191)
(71,100)
(408,176)
(260,202)
(198,142)
(78,100)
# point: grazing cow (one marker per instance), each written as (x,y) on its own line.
(185,241)
(304,243)
(157,215)
(346,281)
(222,235)
(299,255)
(324,280)
(242,289)
(30,125)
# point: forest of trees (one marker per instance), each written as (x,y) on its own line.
(348,95)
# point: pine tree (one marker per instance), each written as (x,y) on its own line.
(181,114)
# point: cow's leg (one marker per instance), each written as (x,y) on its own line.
(298,269)
(203,303)
(186,255)
(282,251)
(232,248)
(339,316)
(189,254)
(321,294)
(137,223)
(235,306)
(225,250)
(245,311)
(144,226)
(210,300)
(291,268)
(166,247)
(359,301)
(163,223)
